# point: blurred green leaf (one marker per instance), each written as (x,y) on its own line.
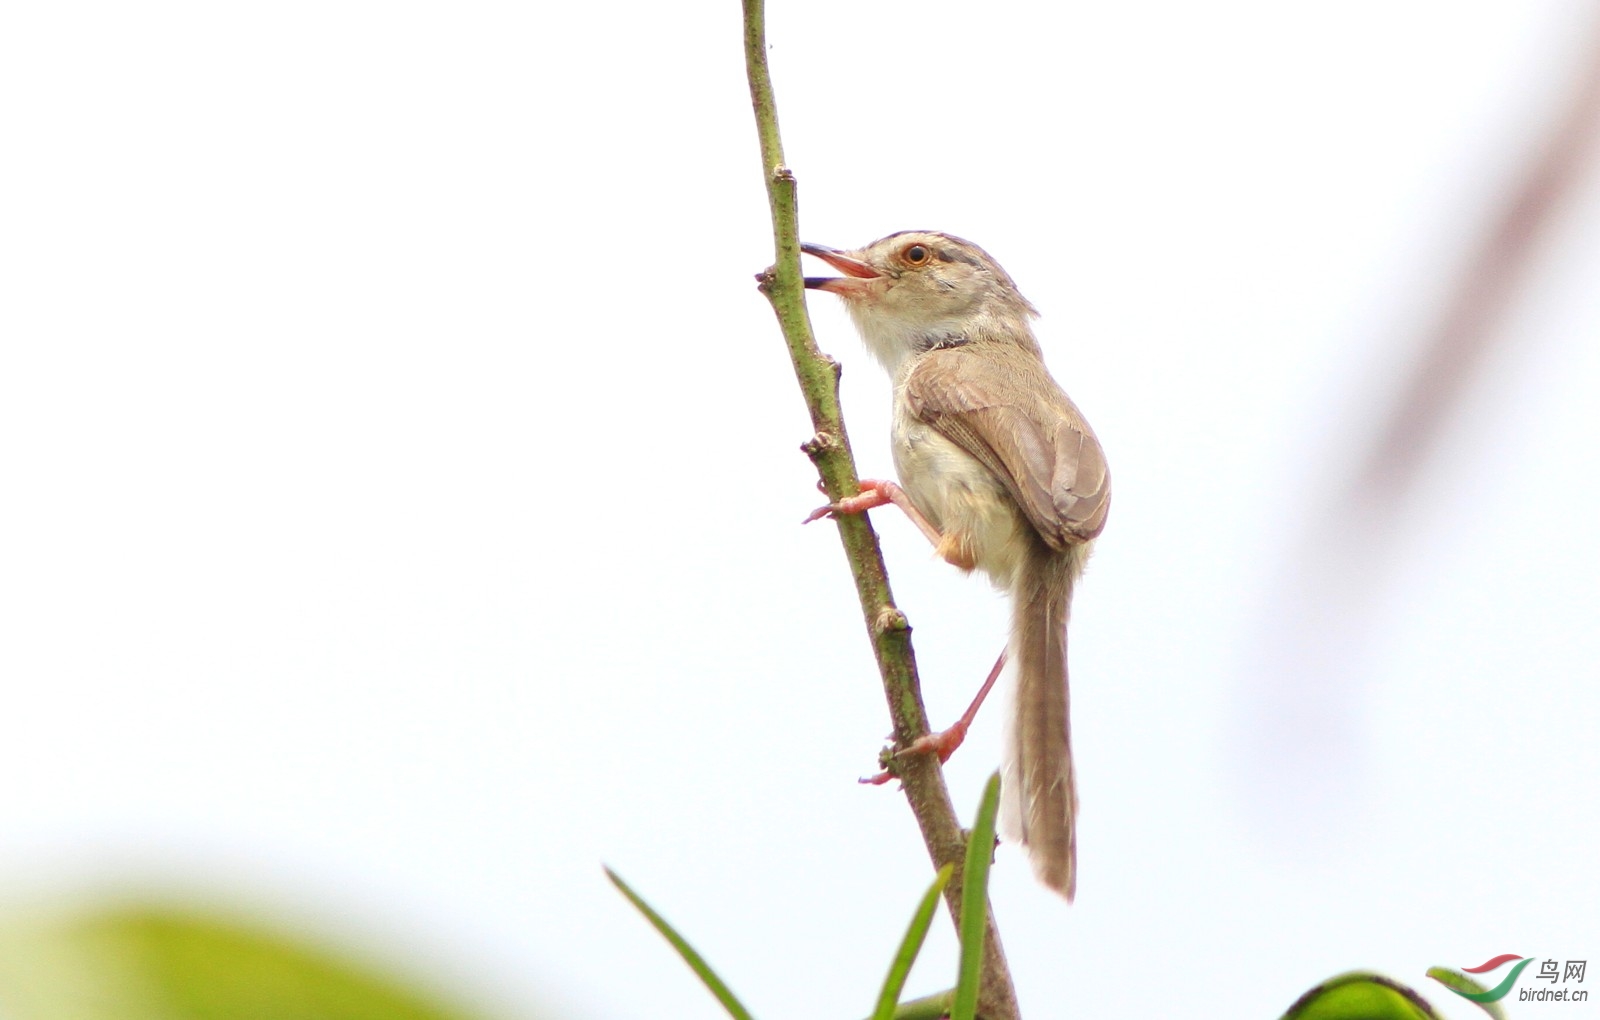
(975,902)
(1471,989)
(910,946)
(145,962)
(695,961)
(1361,995)
(929,1007)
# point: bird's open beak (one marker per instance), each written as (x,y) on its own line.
(856,273)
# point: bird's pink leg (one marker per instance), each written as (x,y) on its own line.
(954,548)
(944,743)
(876,493)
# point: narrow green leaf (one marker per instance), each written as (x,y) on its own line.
(975,902)
(1471,990)
(910,946)
(929,1007)
(695,961)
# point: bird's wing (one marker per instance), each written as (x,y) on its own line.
(998,403)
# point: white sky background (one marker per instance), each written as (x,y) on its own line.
(401,487)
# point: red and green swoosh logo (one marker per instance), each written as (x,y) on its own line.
(1499,991)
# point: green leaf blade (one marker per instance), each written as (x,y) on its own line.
(696,962)
(1469,989)
(929,1007)
(975,902)
(910,946)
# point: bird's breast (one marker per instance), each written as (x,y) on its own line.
(959,495)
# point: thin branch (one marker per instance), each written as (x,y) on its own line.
(1457,348)
(1328,597)
(829,449)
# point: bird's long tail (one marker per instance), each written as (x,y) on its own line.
(1041,803)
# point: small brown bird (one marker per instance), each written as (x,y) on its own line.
(1006,474)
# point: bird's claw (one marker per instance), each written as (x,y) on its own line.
(820,512)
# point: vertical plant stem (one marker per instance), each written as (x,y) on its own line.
(829,449)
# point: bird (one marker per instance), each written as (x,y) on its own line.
(1000,469)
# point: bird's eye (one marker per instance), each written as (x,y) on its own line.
(915,255)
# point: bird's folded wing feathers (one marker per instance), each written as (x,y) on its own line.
(1000,405)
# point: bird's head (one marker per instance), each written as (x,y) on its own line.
(919,289)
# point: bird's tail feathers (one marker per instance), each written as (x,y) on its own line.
(1039,802)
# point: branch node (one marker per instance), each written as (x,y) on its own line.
(782,174)
(820,444)
(890,619)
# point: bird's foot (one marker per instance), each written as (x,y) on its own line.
(943,743)
(874,493)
